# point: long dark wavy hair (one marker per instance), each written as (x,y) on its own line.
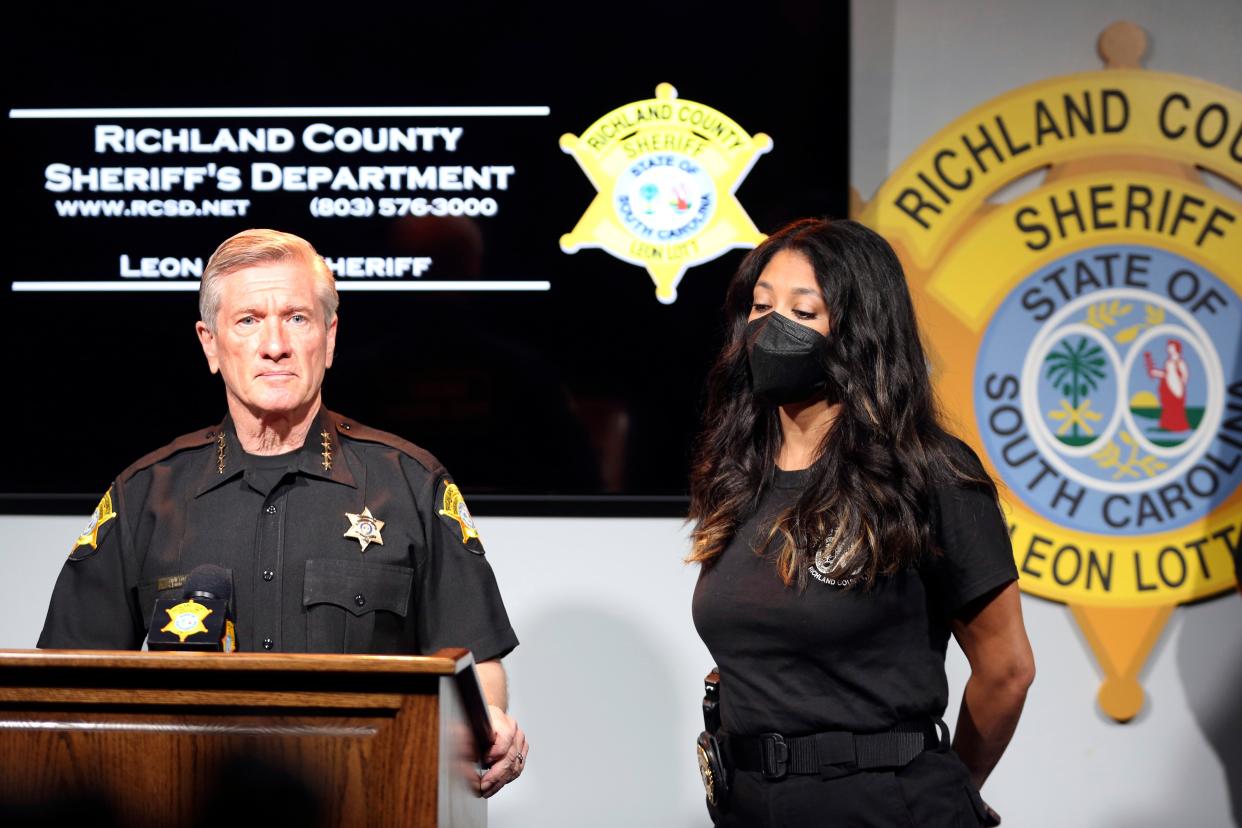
(869,493)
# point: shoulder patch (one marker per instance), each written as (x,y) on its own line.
(87,543)
(195,439)
(452,507)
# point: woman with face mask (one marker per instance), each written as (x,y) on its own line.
(843,535)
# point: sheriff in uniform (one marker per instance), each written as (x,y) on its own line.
(338,537)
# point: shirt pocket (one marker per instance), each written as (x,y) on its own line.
(355,607)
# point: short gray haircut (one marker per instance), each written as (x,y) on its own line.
(253,248)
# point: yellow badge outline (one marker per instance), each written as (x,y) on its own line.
(356,521)
(453,503)
(942,256)
(971,305)
(102,514)
(668,125)
(190,608)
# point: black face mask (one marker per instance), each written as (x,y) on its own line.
(786,360)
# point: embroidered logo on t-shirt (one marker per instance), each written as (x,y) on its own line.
(827,567)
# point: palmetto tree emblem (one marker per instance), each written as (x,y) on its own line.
(1076,371)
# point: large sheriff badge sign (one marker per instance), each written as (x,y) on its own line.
(665,170)
(1089,333)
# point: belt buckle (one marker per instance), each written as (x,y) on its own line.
(773,755)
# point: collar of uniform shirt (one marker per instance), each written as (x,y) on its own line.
(307,460)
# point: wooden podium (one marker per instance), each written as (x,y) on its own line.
(184,739)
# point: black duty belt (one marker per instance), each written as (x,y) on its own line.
(834,753)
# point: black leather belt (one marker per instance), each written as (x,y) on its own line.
(835,753)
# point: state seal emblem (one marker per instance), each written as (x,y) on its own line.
(666,170)
(1075,252)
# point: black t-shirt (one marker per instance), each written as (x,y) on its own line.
(825,658)
(264,471)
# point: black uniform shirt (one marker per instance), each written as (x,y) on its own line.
(827,658)
(299,584)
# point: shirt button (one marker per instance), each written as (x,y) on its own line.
(360,600)
(268,574)
(268,644)
(271,509)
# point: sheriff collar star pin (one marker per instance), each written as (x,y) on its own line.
(364,528)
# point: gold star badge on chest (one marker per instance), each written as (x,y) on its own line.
(364,528)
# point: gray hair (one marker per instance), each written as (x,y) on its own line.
(251,248)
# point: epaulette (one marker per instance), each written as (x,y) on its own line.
(193,440)
(354,430)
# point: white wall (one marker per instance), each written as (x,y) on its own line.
(918,65)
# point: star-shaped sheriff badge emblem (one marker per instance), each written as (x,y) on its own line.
(666,170)
(364,528)
(1108,408)
(186,619)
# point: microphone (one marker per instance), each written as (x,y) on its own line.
(201,620)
